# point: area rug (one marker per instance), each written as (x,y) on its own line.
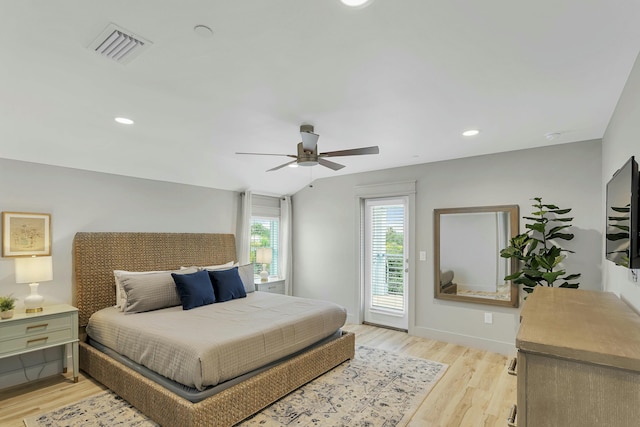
(104,409)
(376,389)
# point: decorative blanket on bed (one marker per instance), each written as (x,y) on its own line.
(217,342)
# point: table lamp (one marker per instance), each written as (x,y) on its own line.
(33,270)
(264,256)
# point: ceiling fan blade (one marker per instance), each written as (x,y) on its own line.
(281,166)
(309,140)
(269,154)
(352,152)
(331,165)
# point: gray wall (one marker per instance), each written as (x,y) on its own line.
(89,201)
(326,263)
(621,141)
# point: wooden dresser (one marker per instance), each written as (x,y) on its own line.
(578,360)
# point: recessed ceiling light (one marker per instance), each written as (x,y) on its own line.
(553,135)
(124,120)
(355,3)
(471,132)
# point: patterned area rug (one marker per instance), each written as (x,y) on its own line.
(375,389)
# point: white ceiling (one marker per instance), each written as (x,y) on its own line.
(408,76)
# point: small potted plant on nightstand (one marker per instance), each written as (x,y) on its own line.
(7,304)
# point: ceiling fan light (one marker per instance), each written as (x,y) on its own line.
(293,165)
(307,162)
(355,3)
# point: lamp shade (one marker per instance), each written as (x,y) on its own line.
(264,255)
(34,269)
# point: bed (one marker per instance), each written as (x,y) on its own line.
(96,255)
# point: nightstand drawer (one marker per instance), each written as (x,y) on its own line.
(36,341)
(37,326)
(274,288)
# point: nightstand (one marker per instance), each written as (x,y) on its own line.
(273,285)
(56,325)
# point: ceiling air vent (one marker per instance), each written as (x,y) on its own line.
(119,44)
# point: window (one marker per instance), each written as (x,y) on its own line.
(386,246)
(265,233)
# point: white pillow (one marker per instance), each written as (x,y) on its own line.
(226,266)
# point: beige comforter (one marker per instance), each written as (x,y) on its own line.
(211,344)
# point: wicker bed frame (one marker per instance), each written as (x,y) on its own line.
(96,255)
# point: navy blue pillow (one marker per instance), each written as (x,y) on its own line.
(195,289)
(227,284)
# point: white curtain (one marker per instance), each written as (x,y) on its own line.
(286,253)
(245,230)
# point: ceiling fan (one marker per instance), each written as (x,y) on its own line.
(308,152)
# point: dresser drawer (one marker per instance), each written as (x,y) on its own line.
(37,326)
(36,341)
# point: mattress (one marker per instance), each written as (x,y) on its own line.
(212,344)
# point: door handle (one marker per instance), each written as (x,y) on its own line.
(511,421)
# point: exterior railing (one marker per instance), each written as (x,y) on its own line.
(388,274)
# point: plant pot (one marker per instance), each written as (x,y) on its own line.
(6,314)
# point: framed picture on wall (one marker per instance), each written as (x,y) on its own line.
(26,234)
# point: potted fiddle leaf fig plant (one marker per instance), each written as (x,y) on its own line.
(540,257)
(7,304)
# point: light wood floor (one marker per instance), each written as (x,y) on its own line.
(475,391)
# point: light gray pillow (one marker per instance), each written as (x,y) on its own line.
(121,295)
(246,275)
(152,291)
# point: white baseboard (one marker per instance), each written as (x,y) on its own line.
(352,319)
(506,348)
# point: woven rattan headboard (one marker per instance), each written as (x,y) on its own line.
(96,255)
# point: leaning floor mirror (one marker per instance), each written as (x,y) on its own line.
(467,244)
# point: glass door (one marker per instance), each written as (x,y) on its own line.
(386,262)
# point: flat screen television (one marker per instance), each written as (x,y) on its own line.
(622,216)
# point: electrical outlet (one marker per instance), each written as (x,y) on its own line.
(488,318)
(423,255)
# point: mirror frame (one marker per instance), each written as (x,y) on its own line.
(513,211)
